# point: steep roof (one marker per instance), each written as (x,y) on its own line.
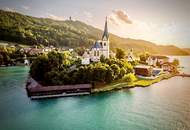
(97,45)
(105,35)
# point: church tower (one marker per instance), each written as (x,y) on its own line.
(101,47)
(105,40)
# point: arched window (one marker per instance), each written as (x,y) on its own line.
(94,53)
(98,53)
(104,43)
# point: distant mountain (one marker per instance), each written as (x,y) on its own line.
(187,50)
(15,27)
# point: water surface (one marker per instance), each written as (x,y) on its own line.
(162,106)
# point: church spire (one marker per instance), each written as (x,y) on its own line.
(105,34)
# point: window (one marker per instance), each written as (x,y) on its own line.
(97,53)
(104,43)
(94,53)
(101,44)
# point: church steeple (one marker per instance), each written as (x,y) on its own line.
(105,35)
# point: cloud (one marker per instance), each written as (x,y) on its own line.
(88,14)
(26,7)
(113,20)
(54,17)
(119,17)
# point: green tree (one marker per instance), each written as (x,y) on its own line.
(40,67)
(120,54)
(116,70)
(52,78)
(144,56)
(122,72)
(109,75)
(99,72)
(175,62)
(128,67)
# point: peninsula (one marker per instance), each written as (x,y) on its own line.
(64,73)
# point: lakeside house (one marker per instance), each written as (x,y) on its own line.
(37,91)
(153,60)
(143,70)
(155,65)
(167,66)
(147,72)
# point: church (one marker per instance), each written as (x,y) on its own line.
(100,47)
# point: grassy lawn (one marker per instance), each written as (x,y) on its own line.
(138,83)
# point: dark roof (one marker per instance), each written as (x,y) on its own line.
(33,86)
(97,45)
(59,88)
(159,57)
(105,34)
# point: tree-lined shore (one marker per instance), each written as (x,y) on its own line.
(58,68)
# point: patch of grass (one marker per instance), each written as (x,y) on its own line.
(138,83)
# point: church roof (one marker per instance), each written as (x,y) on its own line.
(105,34)
(97,45)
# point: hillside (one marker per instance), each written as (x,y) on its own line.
(187,50)
(15,27)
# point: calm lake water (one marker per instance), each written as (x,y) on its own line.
(162,106)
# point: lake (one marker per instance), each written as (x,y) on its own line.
(162,106)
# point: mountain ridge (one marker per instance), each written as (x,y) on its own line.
(29,30)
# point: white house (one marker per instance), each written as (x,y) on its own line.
(85,58)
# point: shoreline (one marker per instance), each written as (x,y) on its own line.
(118,85)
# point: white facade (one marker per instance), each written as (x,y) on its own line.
(101,47)
(85,59)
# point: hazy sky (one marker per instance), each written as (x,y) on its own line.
(160,21)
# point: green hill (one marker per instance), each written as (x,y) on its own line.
(22,29)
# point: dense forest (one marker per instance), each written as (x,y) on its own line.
(22,29)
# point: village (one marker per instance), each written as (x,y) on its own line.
(142,70)
(125,71)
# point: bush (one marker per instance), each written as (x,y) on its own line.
(129,77)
